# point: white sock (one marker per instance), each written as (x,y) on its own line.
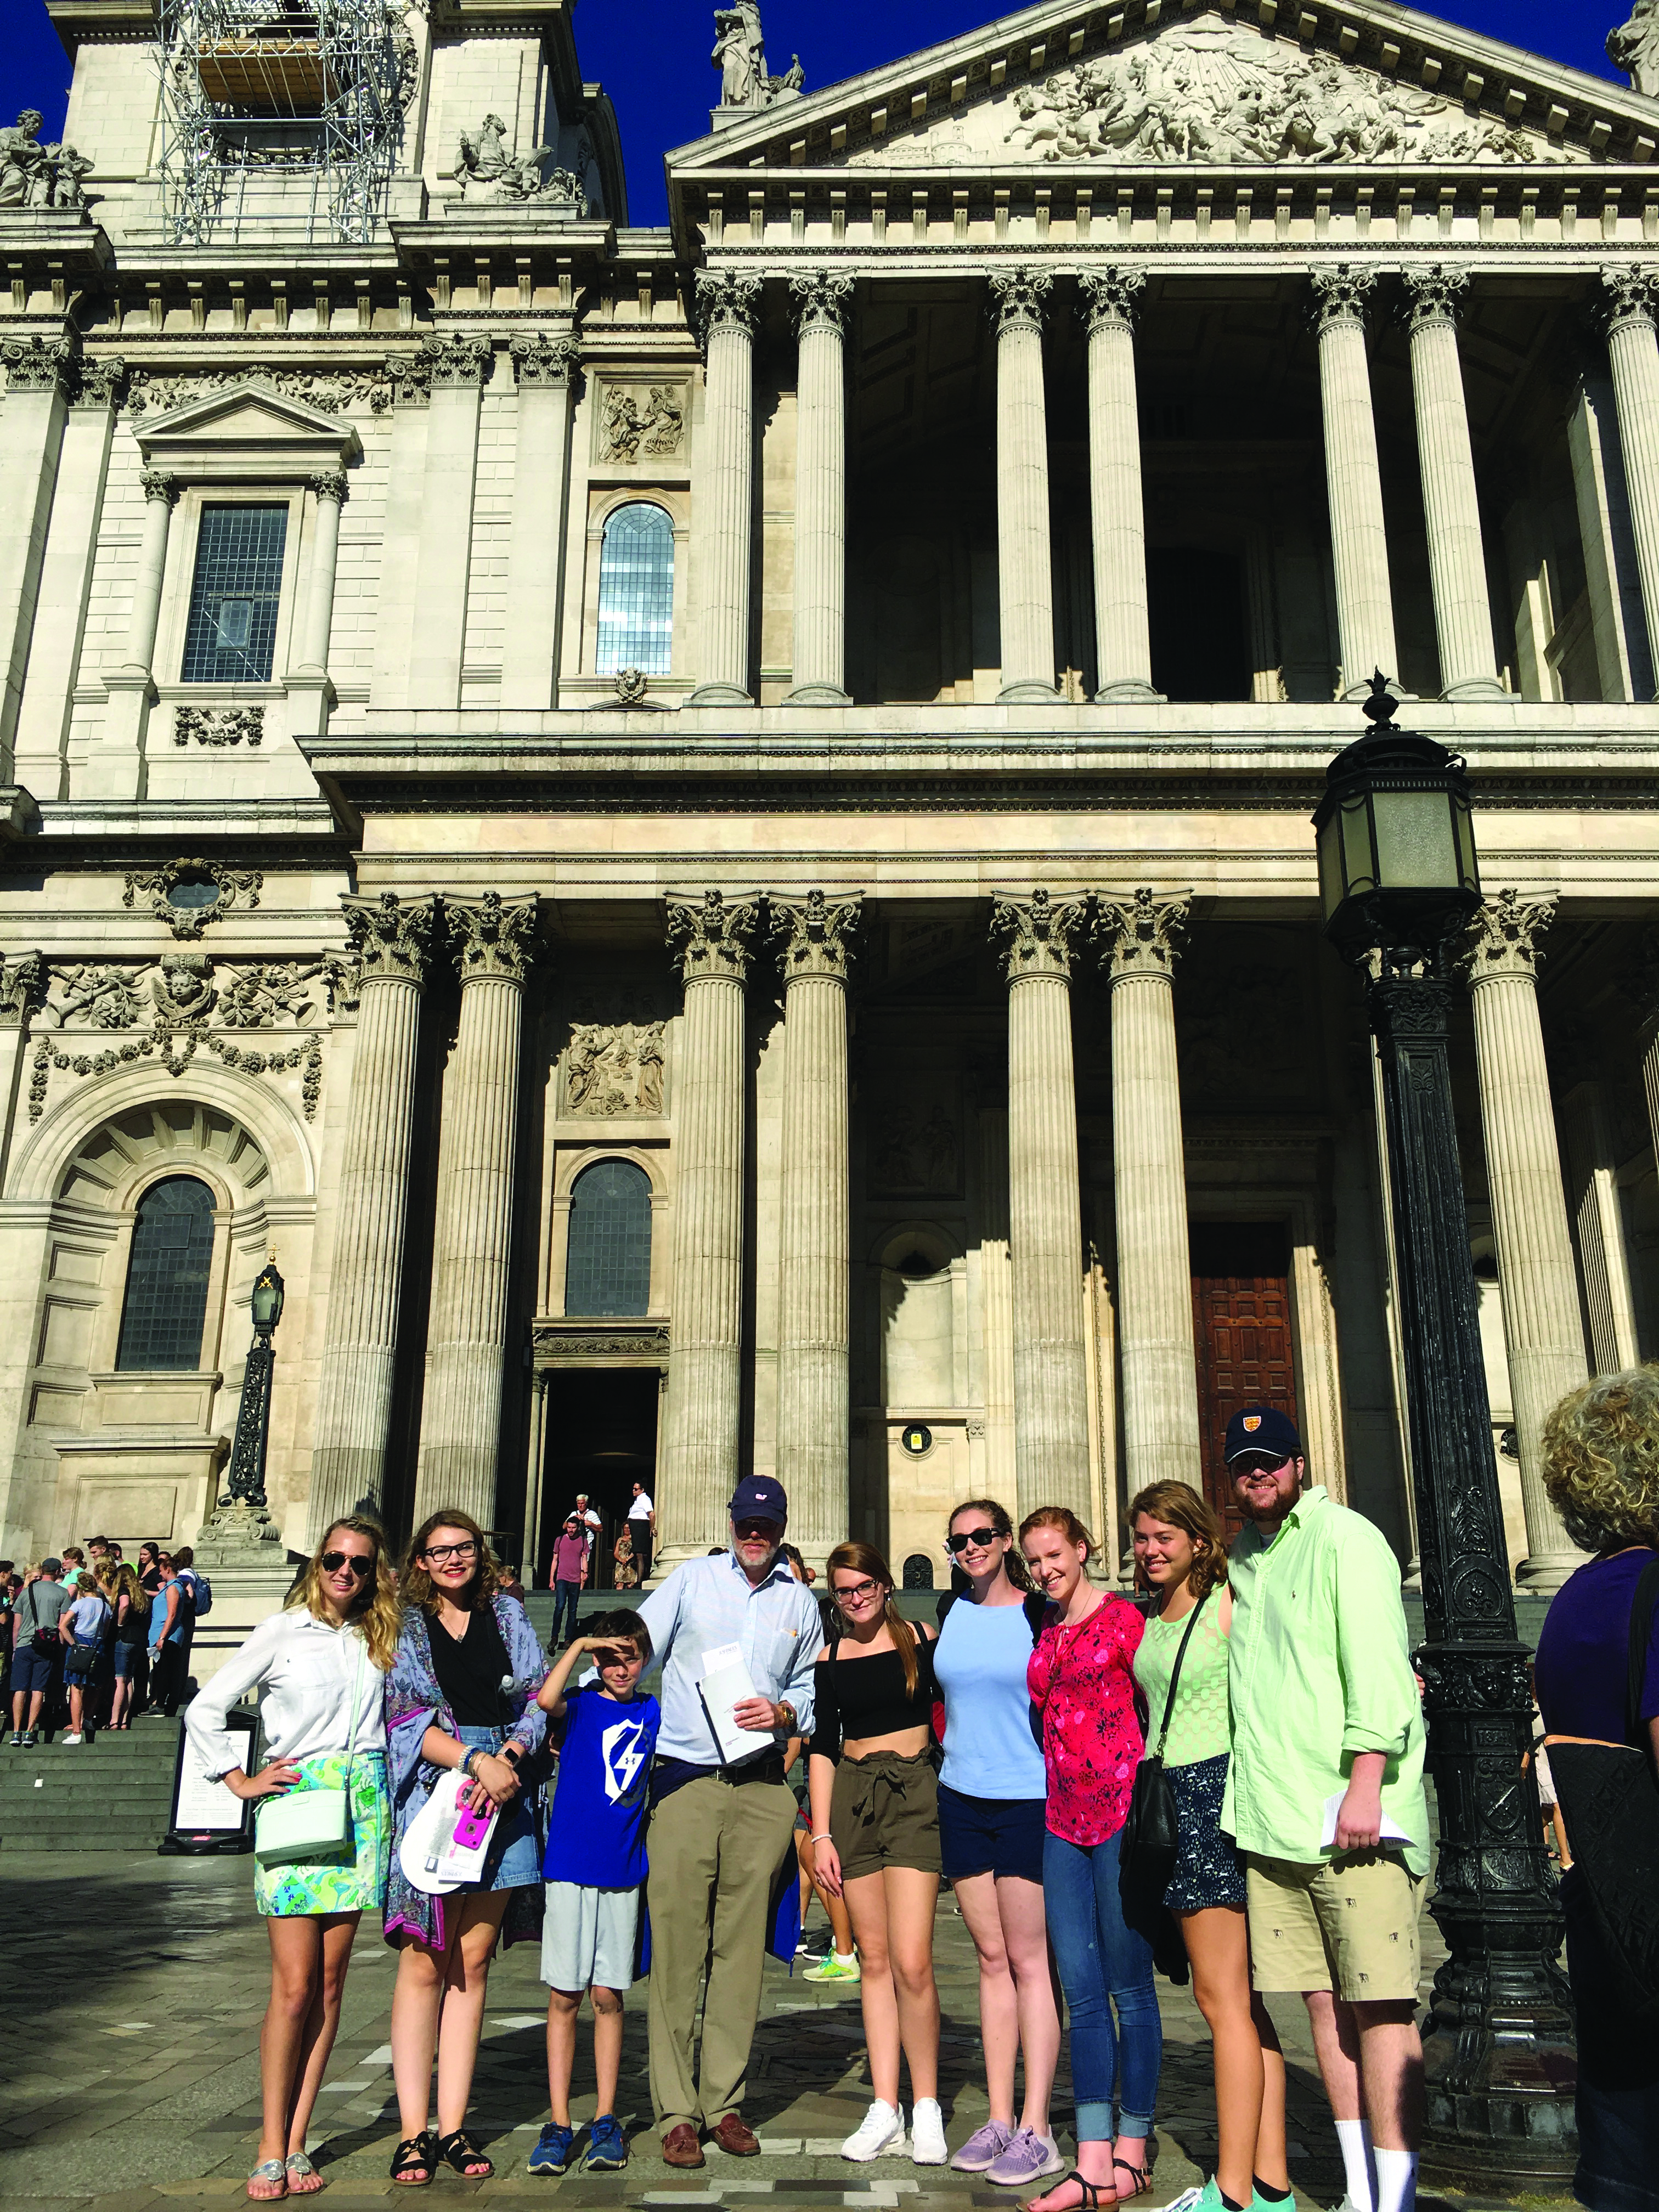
(1354,2138)
(1396,2180)
(848,1958)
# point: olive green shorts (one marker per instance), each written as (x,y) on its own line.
(884,1812)
(1347,1924)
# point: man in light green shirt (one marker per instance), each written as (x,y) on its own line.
(1325,1794)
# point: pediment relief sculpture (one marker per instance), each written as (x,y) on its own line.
(336,393)
(614,1071)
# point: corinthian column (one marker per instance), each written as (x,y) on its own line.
(1353,481)
(699,1455)
(457,370)
(1142,937)
(466,1336)
(815,939)
(547,367)
(38,373)
(1123,649)
(1451,506)
(1543,1332)
(390,944)
(1045,1208)
(820,493)
(1025,591)
(1633,357)
(728,306)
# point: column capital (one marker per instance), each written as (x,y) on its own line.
(100,381)
(1629,287)
(727,302)
(1110,296)
(1504,937)
(390,938)
(545,357)
(160,483)
(1144,934)
(455,363)
(1341,295)
(490,935)
(710,937)
(816,937)
(330,483)
(1019,295)
(22,987)
(1435,295)
(1039,930)
(37,364)
(823,298)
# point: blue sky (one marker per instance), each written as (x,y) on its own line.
(652,55)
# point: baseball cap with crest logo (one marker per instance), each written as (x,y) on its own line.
(1261,1429)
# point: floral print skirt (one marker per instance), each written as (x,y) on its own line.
(353,1881)
(1208,1871)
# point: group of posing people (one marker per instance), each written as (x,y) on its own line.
(105,1637)
(1275,1686)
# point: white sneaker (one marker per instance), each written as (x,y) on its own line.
(881,2129)
(69,1739)
(927,2133)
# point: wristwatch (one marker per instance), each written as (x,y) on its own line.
(790,1721)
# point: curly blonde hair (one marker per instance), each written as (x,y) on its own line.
(415,1585)
(375,1608)
(1601,1459)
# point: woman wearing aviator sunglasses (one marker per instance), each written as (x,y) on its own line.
(321,1665)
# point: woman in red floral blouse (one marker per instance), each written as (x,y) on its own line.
(1082,1682)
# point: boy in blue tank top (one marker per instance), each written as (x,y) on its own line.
(594,1869)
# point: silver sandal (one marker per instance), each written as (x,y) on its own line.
(300,2168)
(270,2169)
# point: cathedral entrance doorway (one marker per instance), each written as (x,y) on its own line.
(1241,1324)
(601,1440)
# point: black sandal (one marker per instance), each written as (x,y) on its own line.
(414,2152)
(1091,2198)
(458,2150)
(1143,2181)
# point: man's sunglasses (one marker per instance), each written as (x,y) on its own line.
(1258,1463)
(980,1538)
(360,1564)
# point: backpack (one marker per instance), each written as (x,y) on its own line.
(200,1589)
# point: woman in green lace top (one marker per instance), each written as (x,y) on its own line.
(1181,1554)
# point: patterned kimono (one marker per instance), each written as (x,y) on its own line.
(414,1703)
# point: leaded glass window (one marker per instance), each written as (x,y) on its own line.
(608,1263)
(232,636)
(168,1279)
(636,592)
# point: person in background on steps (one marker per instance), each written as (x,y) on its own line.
(37,1652)
(992,1789)
(82,1627)
(595,1867)
(875,1834)
(1182,1553)
(131,1620)
(170,1626)
(642,1529)
(321,1665)
(1081,1678)
(1325,1794)
(570,1560)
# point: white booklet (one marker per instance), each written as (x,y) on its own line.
(1391,1832)
(726,1683)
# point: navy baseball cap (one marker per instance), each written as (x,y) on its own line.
(1261,1429)
(758,1498)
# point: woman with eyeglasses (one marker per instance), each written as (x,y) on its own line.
(321,1665)
(875,1838)
(992,1789)
(462,1695)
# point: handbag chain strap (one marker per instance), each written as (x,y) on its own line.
(1175,1678)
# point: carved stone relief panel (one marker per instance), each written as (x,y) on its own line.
(1244,1037)
(639,422)
(614,1071)
(914,1140)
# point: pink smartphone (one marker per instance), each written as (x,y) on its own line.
(471,1829)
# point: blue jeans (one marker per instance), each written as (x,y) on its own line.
(1102,1962)
(564,1594)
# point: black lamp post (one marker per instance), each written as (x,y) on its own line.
(246,1484)
(1399,885)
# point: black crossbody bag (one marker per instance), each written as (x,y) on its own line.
(1151,1838)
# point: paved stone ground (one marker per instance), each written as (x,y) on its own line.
(132,1994)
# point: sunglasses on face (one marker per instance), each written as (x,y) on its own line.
(362,1563)
(760,1531)
(1258,1464)
(436,1554)
(856,1593)
(980,1538)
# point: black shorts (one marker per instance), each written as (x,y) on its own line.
(991,1835)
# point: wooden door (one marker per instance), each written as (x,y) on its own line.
(1242,1326)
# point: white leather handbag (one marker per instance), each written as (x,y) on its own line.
(429,1855)
(310,1824)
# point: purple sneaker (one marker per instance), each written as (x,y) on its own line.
(1028,2157)
(984,2148)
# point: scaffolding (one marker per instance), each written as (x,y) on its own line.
(284,112)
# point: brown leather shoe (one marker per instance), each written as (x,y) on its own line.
(680,2145)
(736,2140)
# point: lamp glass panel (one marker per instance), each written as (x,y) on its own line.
(267,1303)
(1358,860)
(1330,865)
(1416,848)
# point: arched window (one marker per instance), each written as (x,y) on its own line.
(636,591)
(607,1268)
(167,1278)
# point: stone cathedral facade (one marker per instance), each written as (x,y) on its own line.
(705,830)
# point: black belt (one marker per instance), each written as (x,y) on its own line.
(669,1775)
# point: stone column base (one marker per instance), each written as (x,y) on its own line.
(1479,687)
(1029,691)
(1128,691)
(1543,1574)
(719,694)
(241,1551)
(816,695)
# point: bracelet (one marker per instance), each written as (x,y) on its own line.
(823,1838)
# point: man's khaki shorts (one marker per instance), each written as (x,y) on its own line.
(1347,1924)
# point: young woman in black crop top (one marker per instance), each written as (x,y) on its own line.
(875,1835)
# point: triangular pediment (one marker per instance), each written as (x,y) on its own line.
(248,421)
(1258,83)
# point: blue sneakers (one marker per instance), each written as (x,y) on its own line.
(607,2146)
(552,2151)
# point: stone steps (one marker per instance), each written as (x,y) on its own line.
(112,1794)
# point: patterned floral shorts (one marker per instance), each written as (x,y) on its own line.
(355,1880)
(1207,1869)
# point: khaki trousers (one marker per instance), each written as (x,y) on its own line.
(714,1848)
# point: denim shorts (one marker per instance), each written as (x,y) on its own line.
(36,1670)
(126,1662)
(513,1860)
(991,1835)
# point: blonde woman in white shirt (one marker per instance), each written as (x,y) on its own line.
(321,1665)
